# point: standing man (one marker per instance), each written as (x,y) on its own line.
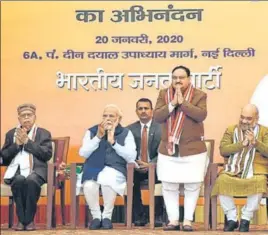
(26,150)
(147,134)
(182,159)
(107,148)
(245,151)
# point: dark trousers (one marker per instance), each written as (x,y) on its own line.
(26,192)
(138,208)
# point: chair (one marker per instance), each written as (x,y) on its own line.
(75,198)
(47,190)
(156,189)
(214,174)
(144,186)
(61,153)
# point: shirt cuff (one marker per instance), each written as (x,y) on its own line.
(136,165)
(170,107)
(115,145)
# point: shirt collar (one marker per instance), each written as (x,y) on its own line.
(148,124)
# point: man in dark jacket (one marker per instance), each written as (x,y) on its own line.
(147,135)
(26,150)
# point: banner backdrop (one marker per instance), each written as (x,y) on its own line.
(72,58)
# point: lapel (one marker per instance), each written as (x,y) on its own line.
(151,136)
(138,129)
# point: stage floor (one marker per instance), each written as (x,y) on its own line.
(120,230)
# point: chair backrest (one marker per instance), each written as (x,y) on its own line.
(61,149)
(51,160)
(61,152)
(210,153)
(2,173)
(210,149)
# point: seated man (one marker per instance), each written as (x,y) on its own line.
(107,147)
(26,150)
(245,151)
(147,134)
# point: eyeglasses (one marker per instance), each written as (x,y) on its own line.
(26,115)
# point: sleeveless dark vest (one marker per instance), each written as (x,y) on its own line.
(105,155)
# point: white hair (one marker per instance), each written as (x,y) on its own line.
(118,110)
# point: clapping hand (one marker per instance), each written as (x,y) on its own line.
(111,130)
(21,136)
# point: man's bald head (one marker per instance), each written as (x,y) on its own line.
(249,117)
(251,109)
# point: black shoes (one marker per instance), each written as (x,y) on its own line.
(171,227)
(230,226)
(104,224)
(95,224)
(244,225)
(158,222)
(141,220)
(107,224)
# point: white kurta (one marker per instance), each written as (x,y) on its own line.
(190,169)
(22,158)
(110,176)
